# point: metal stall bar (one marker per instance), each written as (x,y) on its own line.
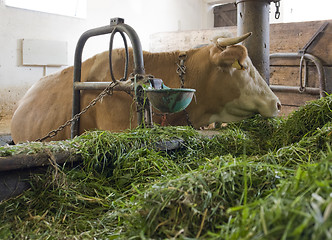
(321,76)
(101,86)
(120,26)
(253,16)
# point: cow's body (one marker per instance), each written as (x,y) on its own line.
(223,93)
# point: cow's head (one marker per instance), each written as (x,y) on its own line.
(238,81)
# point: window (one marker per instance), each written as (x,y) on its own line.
(72,8)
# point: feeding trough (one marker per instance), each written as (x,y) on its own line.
(168,100)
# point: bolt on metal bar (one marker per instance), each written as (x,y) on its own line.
(294,89)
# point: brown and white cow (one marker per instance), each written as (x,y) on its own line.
(228,88)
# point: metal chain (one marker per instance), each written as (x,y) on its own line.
(107,91)
(277,13)
(181,71)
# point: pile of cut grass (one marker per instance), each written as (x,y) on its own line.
(304,122)
(257,179)
(239,199)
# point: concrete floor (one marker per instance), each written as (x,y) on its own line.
(5,130)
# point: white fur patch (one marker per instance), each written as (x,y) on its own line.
(255,97)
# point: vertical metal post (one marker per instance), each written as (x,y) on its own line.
(253,16)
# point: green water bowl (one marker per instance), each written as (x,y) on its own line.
(170,100)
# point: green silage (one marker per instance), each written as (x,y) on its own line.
(305,121)
(257,179)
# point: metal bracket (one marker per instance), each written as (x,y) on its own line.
(116,21)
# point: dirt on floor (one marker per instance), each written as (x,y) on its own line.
(5,137)
(5,124)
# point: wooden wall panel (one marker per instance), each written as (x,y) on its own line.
(291,37)
(172,41)
(292,101)
(284,37)
(290,76)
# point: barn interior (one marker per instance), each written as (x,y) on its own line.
(180,26)
(293,53)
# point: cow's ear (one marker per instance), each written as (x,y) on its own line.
(231,56)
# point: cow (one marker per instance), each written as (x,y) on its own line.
(228,88)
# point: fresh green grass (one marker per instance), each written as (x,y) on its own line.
(257,179)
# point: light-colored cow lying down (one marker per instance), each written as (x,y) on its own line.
(228,88)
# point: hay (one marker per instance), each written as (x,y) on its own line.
(258,179)
(304,121)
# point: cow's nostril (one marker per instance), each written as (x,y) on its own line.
(278,106)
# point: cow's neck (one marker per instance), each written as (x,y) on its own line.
(167,69)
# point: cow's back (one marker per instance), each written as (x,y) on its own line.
(45,106)
(48,104)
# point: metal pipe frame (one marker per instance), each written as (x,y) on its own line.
(320,70)
(137,55)
(253,16)
(101,86)
(294,89)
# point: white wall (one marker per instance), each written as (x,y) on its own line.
(145,16)
(17,24)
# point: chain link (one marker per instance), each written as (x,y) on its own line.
(181,71)
(277,13)
(107,91)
